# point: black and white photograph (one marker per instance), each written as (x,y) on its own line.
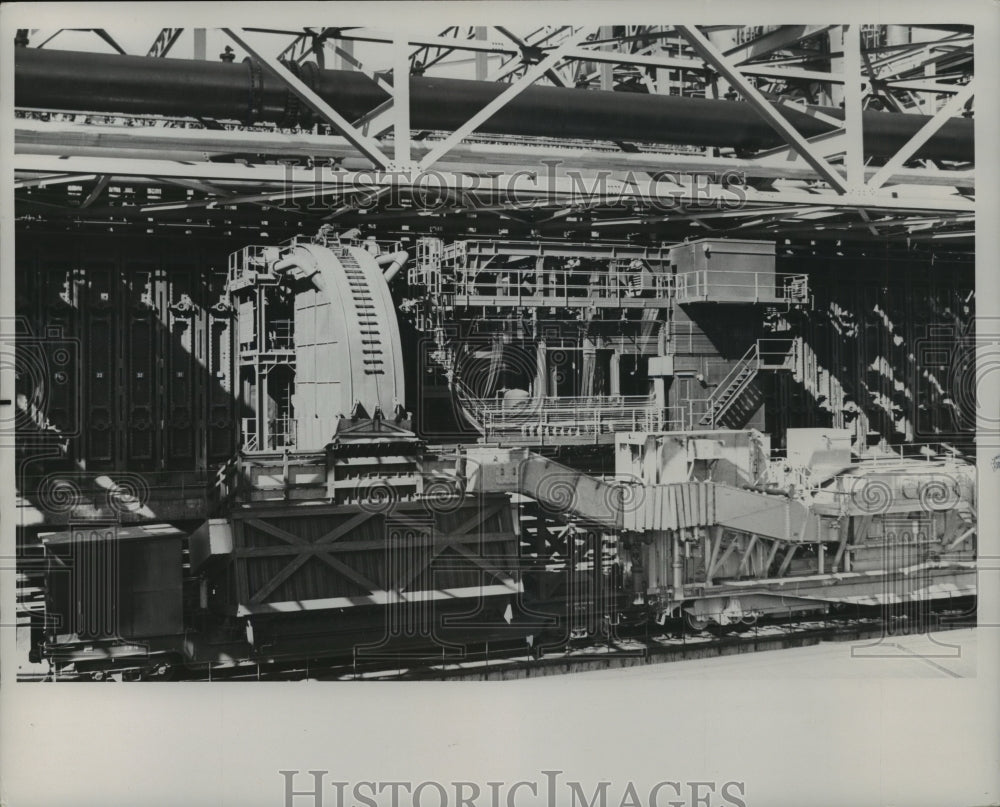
(460,383)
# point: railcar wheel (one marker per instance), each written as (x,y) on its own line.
(694,624)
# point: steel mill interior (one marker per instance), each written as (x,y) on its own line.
(357,353)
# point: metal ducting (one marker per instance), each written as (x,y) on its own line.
(69,80)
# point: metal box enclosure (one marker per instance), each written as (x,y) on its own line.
(723,255)
(660,366)
(110,582)
(726,271)
(212,540)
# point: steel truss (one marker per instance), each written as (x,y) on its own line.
(826,184)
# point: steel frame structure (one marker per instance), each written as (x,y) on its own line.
(826,185)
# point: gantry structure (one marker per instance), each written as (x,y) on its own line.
(645,133)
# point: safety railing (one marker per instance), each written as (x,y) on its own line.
(708,285)
(277,434)
(251,266)
(281,335)
(570,416)
(558,284)
(929,452)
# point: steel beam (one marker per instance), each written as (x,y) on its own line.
(552,75)
(305,546)
(96,191)
(793,73)
(355,64)
(714,57)
(854,157)
(514,63)
(481,59)
(331,536)
(720,560)
(378,121)
(712,551)
(530,77)
(555,190)
(401,105)
(914,57)
(747,554)
(45,34)
(771,555)
(62,139)
(110,40)
(52,179)
(164,42)
(366,145)
(200,44)
(449,43)
(949,110)
(787,560)
(773,40)
(920,86)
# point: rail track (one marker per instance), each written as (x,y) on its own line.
(635,647)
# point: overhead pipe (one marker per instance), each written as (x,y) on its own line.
(93,82)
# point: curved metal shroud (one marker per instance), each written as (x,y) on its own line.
(347,343)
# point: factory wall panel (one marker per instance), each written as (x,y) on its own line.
(152,381)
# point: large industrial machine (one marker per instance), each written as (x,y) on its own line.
(344,534)
(568,336)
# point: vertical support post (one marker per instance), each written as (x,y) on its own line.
(836,45)
(660,392)
(677,566)
(712,544)
(200,46)
(615,373)
(752,96)
(553,386)
(589,368)
(481,56)
(930,99)
(606,70)
(342,63)
(541,371)
(854,158)
(401,103)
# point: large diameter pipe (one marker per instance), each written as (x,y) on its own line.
(392,263)
(70,80)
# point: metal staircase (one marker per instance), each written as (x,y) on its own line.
(764,354)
